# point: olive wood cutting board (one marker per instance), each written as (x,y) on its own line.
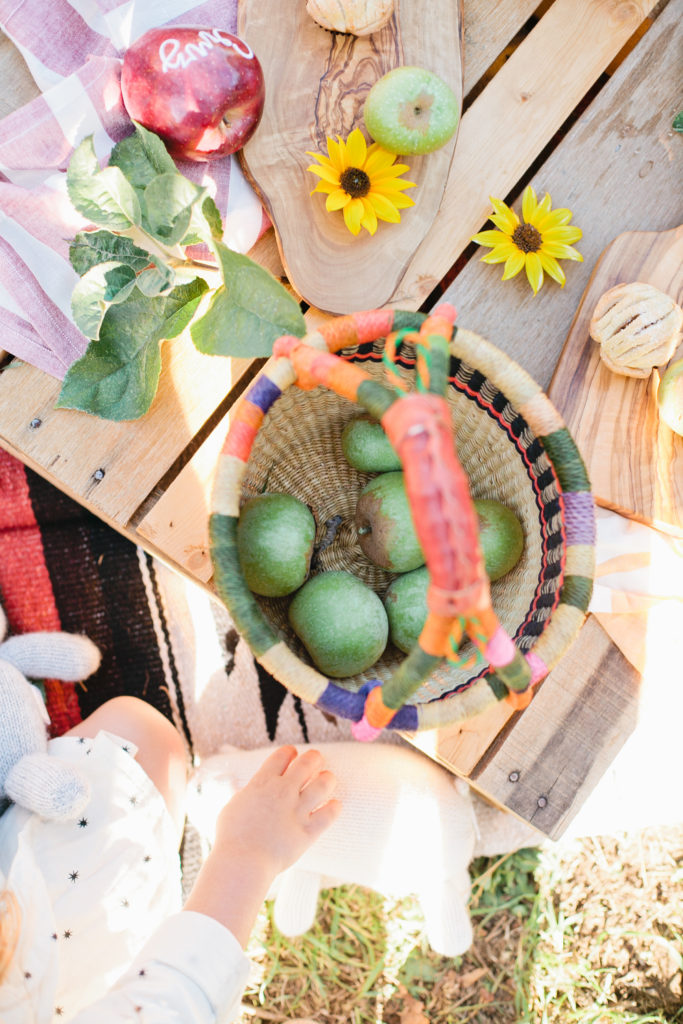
(316,85)
(634,461)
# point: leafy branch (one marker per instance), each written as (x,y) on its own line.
(138,287)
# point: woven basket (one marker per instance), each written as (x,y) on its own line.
(512,445)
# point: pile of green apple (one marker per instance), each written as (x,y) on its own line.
(343,624)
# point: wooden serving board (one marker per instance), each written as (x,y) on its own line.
(316,85)
(634,461)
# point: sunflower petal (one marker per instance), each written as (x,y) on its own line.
(325,160)
(385,208)
(388,172)
(353,213)
(490,238)
(356,149)
(503,223)
(513,265)
(534,271)
(529,204)
(552,268)
(541,211)
(400,201)
(507,218)
(379,159)
(499,254)
(554,219)
(369,218)
(563,235)
(336,152)
(326,173)
(561,252)
(391,185)
(324,186)
(337,200)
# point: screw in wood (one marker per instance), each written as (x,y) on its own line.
(513,777)
(542,801)
(35,423)
(98,474)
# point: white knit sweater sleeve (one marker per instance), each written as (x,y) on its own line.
(191,971)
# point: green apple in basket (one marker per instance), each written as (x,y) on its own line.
(384,524)
(502,541)
(275,537)
(367,448)
(341,623)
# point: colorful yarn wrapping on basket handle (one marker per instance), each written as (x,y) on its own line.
(458,599)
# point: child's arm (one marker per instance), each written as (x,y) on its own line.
(192,970)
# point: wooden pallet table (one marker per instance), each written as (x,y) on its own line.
(575,96)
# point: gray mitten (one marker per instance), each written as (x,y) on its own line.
(28,774)
(47,786)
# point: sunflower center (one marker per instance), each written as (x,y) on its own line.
(527,238)
(355,182)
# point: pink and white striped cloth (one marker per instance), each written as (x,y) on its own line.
(73,49)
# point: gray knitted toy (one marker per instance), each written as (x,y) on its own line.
(29,776)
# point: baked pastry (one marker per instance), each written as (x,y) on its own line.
(637,327)
(357,17)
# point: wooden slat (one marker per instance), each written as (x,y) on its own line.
(489,27)
(460,747)
(179,521)
(618,169)
(513,119)
(634,461)
(133,455)
(543,766)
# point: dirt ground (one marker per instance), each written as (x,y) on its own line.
(589,932)
(604,934)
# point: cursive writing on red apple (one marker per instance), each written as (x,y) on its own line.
(200,89)
(173,55)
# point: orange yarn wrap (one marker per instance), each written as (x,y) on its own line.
(314,368)
(419,427)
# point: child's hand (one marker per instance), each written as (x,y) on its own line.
(262,830)
(281,810)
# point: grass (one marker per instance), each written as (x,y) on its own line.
(589,932)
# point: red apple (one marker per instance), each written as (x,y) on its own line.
(200,89)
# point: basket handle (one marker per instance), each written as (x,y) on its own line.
(418,424)
(420,429)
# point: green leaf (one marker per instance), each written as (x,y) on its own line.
(112,382)
(180,305)
(213,218)
(103,197)
(248,312)
(92,247)
(102,284)
(118,376)
(678,122)
(156,279)
(205,225)
(167,204)
(141,157)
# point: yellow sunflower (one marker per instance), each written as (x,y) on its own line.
(536,244)
(362,181)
